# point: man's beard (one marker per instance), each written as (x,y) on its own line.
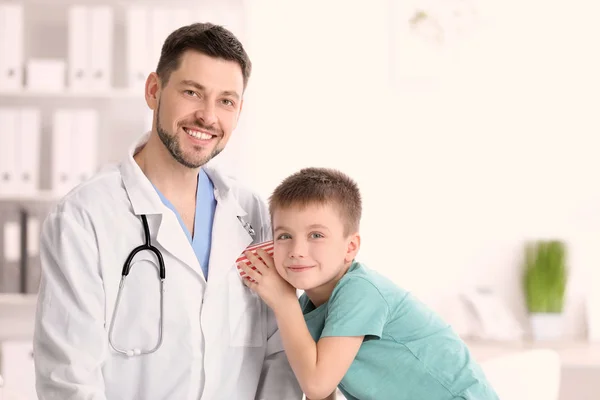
(171,142)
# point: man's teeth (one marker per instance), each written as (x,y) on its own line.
(198,134)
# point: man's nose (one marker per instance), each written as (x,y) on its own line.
(206,113)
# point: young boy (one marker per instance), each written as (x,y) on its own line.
(352,328)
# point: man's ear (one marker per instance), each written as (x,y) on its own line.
(152,91)
(353,247)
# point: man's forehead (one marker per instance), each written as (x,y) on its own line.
(210,73)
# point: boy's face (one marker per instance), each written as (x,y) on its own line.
(311,248)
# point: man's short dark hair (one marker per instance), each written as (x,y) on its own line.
(206,38)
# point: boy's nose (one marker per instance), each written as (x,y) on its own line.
(298,249)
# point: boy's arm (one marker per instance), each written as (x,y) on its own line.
(319,366)
(355,310)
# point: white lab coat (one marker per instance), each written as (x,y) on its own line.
(220,341)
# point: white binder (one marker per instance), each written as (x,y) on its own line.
(9,130)
(160,21)
(101,47)
(11,47)
(79,46)
(62,152)
(28,150)
(84,138)
(138,46)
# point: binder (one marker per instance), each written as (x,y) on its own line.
(11,248)
(160,23)
(84,138)
(28,150)
(11,47)
(74,147)
(79,47)
(101,47)
(46,75)
(9,124)
(138,46)
(17,368)
(35,212)
(62,150)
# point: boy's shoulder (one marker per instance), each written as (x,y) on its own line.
(361,275)
(360,283)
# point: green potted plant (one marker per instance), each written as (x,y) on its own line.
(545,281)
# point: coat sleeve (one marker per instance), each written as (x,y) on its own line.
(69,338)
(277,380)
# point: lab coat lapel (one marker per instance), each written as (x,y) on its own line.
(163,224)
(173,239)
(229,237)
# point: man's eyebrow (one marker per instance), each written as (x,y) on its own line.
(231,93)
(189,82)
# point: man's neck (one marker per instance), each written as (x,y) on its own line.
(172,179)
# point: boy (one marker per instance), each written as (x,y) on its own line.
(352,328)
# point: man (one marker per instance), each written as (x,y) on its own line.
(199,333)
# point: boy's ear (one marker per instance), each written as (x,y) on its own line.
(353,247)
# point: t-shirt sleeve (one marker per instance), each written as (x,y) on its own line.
(356,308)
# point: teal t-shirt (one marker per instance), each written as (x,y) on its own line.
(409,352)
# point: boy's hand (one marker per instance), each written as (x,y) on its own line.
(265,280)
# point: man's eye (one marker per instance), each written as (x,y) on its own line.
(228,102)
(190,93)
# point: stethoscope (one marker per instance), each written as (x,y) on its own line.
(161,273)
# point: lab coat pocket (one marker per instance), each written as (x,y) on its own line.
(246,314)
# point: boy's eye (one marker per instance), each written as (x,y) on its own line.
(283,236)
(316,235)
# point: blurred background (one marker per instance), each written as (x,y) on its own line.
(471,127)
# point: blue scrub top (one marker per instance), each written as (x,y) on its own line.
(205,213)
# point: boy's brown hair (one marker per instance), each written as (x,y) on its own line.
(320,186)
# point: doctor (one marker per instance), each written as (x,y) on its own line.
(204,335)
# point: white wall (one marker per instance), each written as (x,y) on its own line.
(494,143)
(501,150)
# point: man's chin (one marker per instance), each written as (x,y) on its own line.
(199,159)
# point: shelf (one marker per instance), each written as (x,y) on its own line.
(42,195)
(16,299)
(17,316)
(109,94)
